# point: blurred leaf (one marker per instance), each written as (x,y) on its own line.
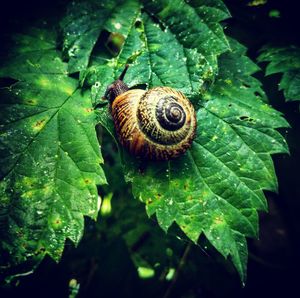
(284,60)
(145,272)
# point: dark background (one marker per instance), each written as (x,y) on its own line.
(104,267)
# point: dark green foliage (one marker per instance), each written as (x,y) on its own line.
(285,60)
(50,163)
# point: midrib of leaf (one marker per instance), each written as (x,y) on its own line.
(25,117)
(189,66)
(151,72)
(53,48)
(165,12)
(261,130)
(82,128)
(56,187)
(236,257)
(73,161)
(149,55)
(30,106)
(149,52)
(198,170)
(189,72)
(231,171)
(230,125)
(38,133)
(128,32)
(214,25)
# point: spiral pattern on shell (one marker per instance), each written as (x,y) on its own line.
(158,124)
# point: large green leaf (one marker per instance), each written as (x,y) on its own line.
(50,157)
(284,60)
(217,187)
(194,23)
(148,49)
(151,39)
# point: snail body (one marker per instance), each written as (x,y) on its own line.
(155,124)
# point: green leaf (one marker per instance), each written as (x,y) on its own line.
(84,22)
(146,242)
(194,23)
(50,171)
(150,52)
(216,188)
(284,60)
(162,47)
(50,157)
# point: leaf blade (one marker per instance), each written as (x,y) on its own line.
(50,172)
(217,187)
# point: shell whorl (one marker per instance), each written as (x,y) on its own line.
(154,108)
(170,114)
(156,124)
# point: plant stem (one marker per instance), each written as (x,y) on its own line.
(179,268)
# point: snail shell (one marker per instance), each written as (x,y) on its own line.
(158,124)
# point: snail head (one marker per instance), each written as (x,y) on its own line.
(117,87)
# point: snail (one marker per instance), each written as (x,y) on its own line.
(155,124)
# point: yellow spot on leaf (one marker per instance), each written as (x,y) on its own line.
(44,82)
(38,125)
(214,138)
(218,220)
(205,194)
(47,189)
(27,194)
(31,101)
(155,47)
(224,129)
(69,90)
(88,110)
(28,181)
(149,201)
(55,221)
(87,181)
